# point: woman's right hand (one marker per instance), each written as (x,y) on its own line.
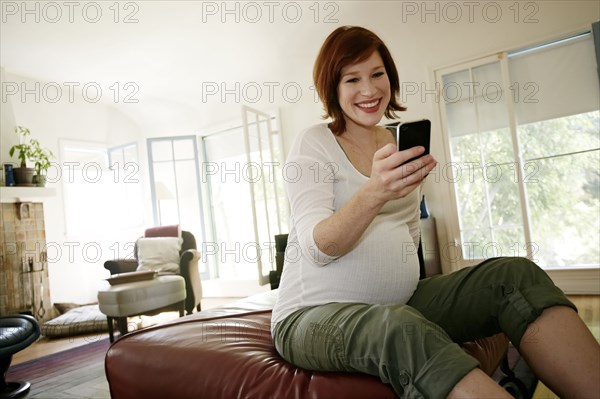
(389,180)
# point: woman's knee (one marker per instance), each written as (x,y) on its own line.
(515,271)
(524,265)
(527,291)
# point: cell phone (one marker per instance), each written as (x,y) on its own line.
(413,134)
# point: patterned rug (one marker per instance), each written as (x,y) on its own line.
(74,373)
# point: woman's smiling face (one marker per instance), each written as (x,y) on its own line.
(364,91)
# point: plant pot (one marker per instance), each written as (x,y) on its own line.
(39,180)
(24,176)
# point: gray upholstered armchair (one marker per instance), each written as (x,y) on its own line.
(188,268)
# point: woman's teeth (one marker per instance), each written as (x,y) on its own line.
(368,105)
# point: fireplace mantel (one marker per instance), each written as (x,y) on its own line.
(26,194)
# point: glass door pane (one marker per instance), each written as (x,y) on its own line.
(243,172)
(175,180)
(265,204)
(227,175)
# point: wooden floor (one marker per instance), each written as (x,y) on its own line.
(589,310)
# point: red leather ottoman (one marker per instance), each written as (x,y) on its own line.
(227,353)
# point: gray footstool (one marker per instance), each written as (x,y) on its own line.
(146,297)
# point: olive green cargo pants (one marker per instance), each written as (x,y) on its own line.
(414,347)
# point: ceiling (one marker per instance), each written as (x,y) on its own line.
(172,53)
(197,61)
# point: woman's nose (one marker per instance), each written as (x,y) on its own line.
(367,88)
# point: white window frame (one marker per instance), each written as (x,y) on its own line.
(248,112)
(462,260)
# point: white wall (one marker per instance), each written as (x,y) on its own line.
(173,46)
(73,278)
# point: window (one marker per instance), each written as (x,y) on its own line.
(100,199)
(523,131)
(174,177)
(123,162)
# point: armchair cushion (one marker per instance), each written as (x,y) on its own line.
(160,254)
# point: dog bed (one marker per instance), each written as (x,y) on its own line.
(76,319)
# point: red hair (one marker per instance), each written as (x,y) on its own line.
(345,46)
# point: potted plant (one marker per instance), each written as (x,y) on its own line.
(41,159)
(23,174)
(30,150)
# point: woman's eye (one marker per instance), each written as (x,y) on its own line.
(353,80)
(378,74)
